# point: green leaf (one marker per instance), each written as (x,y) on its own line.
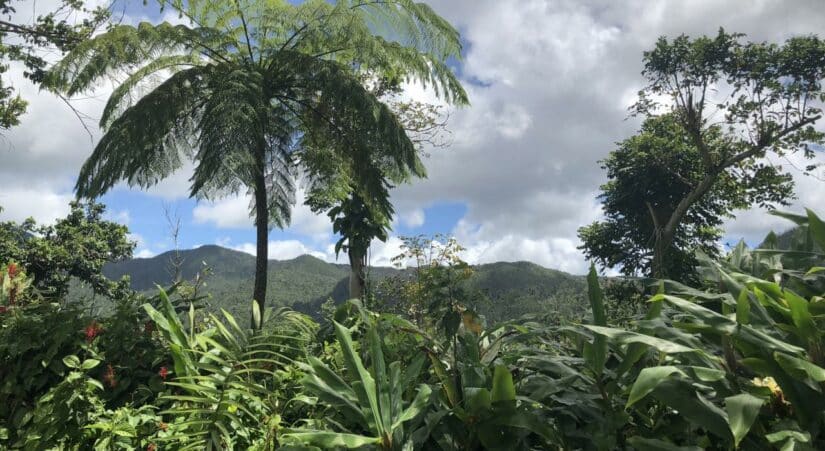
(648,380)
(742,411)
(503,388)
(89,364)
(801,316)
(71,361)
(596,354)
(817,228)
(328,440)
(799,368)
(417,406)
(743,307)
(365,388)
(624,337)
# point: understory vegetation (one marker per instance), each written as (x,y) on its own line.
(737,362)
(692,348)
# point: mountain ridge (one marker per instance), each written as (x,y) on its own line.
(305,282)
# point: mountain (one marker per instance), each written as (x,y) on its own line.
(305,282)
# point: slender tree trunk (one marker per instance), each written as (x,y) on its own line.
(357,275)
(665,234)
(262,253)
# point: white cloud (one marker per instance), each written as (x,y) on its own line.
(413,218)
(144,253)
(281,250)
(753,225)
(557,78)
(233,213)
(42,205)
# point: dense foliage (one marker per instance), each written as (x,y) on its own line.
(727,353)
(715,107)
(258,91)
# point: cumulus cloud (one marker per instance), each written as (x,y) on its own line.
(233,213)
(549,81)
(281,250)
(552,83)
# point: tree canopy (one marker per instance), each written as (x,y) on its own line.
(254,88)
(735,102)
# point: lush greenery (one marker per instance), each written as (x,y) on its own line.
(736,365)
(719,352)
(260,90)
(714,108)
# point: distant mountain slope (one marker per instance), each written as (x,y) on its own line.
(305,282)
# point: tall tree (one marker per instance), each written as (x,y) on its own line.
(60,29)
(247,89)
(357,219)
(648,175)
(737,102)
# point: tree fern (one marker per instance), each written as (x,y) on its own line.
(250,84)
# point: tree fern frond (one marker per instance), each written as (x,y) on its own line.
(147,142)
(122,97)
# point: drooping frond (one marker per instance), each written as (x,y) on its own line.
(346,117)
(125,94)
(148,141)
(128,48)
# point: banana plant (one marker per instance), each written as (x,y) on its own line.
(376,398)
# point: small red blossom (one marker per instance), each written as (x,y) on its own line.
(151,447)
(12,270)
(109,376)
(92,331)
(163,372)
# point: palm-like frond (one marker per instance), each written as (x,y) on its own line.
(148,141)
(223,404)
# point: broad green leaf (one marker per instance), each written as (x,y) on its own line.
(89,364)
(648,380)
(742,411)
(503,388)
(596,353)
(328,440)
(799,368)
(743,307)
(780,436)
(355,366)
(816,228)
(801,316)
(710,319)
(417,406)
(71,361)
(624,337)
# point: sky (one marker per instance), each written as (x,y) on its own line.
(549,83)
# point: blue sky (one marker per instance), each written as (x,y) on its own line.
(549,83)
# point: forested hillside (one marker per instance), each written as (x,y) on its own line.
(508,290)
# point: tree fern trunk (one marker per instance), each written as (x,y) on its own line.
(357,276)
(262,251)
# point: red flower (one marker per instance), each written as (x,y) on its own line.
(92,331)
(12,269)
(151,447)
(109,376)
(163,372)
